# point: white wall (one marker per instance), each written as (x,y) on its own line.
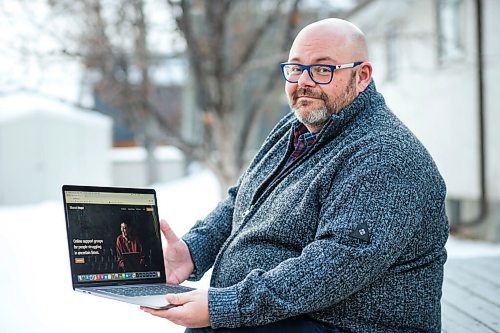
(439,102)
(44,145)
(492,77)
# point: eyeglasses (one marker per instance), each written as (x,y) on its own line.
(319,73)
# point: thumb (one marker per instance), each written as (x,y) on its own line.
(169,234)
(179,299)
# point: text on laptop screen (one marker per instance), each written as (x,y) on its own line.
(113,236)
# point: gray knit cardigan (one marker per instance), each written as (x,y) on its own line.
(352,234)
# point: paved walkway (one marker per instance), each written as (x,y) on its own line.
(471,295)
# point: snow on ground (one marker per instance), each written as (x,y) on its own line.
(462,249)
(35,280)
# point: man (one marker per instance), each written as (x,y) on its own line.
(338,224)
(126,243)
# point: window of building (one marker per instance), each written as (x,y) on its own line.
(450,29)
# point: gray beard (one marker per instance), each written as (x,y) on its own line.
(320,116)
(314,118)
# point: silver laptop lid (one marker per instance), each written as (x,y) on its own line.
(113,236)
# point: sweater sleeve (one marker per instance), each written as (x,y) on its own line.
(335,265)
(207,236)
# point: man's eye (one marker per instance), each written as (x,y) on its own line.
(322,70)
(294,70)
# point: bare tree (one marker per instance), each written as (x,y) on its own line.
(113,47)
(114,64)
(233,48)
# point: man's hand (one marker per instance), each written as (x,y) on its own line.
(178,262)
(192,309)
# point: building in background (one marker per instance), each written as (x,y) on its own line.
(45,144)
(426,59)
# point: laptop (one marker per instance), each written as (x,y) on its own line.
(114,243)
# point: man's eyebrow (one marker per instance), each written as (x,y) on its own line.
(316,61)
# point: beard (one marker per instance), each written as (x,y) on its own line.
(318,117)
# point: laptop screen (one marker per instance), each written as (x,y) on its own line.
(113,235)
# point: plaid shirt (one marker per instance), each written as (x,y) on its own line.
(303,141)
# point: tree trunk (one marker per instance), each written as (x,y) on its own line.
(151,161)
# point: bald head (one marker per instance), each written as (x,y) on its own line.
(317,92)
(342,37)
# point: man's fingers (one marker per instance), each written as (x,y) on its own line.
(175,315)
(169,234)
(192,310)
(179,299)
(151,311)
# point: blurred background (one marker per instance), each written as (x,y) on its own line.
(179,94)
(134,92)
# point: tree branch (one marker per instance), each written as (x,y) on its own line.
(259,103)
(257,36)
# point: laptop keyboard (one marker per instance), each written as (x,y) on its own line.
(136,291)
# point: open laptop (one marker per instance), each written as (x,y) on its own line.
(114,244)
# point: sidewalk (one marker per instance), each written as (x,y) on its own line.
(471,295)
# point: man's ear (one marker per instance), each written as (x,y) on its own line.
(363,76)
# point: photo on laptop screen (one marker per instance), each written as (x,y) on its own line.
(113,236)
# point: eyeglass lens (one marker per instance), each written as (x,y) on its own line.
(319,74)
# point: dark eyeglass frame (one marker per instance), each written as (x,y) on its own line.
(308,68)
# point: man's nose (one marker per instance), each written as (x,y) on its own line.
(305,79)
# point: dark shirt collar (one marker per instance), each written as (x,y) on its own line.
(302,135)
